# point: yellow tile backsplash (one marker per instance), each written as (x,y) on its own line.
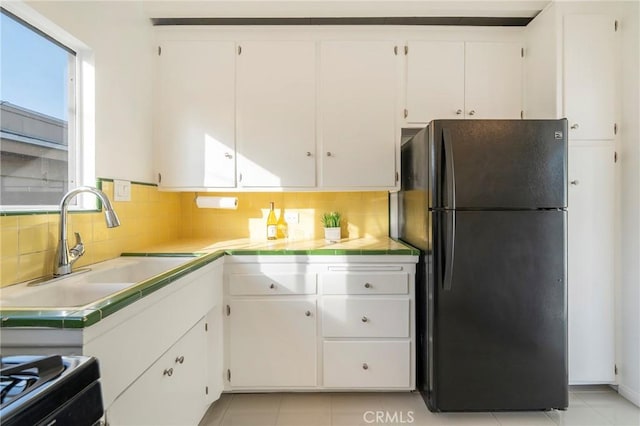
(365,214)
(28,242)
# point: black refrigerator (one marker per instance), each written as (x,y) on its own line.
(485,202)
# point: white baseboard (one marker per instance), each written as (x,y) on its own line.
(630,394)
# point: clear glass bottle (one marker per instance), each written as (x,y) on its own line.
(282,228)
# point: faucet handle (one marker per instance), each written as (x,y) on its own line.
(77,250)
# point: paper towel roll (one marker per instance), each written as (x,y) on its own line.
(217,202)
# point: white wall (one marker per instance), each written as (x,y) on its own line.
(628,331)
(121,37)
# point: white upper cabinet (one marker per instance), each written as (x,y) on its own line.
(448,79)
(435,80)
(493,80)
(276,94)
(589,76)
(195,114)
(359,87)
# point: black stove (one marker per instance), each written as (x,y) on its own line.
(48,390)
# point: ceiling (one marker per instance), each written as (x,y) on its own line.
(341,8)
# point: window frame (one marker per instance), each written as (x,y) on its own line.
(81,105)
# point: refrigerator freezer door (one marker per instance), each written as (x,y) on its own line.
(499,164)
(499,327)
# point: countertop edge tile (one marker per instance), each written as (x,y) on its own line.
(84,316)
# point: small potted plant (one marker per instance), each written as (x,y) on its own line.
(331,223)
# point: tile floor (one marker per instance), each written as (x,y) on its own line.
(588,406)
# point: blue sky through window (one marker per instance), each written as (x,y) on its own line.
(33,70)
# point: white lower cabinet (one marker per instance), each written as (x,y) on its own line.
(362,317)
(272,343)
(161,357)
(367,327)
(320,323)
(171,391)
(367,364)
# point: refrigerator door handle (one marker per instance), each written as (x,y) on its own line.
(449,171)
(450,250)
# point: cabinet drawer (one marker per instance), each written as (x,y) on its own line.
(278,284)
(367,364)
(365,317)
(365,283)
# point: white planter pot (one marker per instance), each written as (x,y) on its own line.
(332,235)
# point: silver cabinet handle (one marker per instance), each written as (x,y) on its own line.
(227,155)
(575,182)
(472,112)
(168,372)
(308,313)
(180,359)
(308,153)
(575,126)
(458,112)
(365,319)
(272,286)
(367,285)
(365,366)
(329,154)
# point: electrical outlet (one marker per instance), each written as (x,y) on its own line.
(121,190)
(292,218)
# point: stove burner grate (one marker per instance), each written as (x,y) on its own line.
(20,378)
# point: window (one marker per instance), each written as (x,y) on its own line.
(37,117)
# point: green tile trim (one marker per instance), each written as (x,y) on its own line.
(92,313)
(83,318)
(53,318)
(98,208)
(411,248)
(80,317)
(28,213)
(117,301)
(324,252)
(133,182)
(182,254)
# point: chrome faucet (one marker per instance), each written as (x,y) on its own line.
(66,257)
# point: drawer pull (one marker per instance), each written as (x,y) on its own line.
(365,366)
(308,313)
(168,372)
(365,319)
(272,286)
(367,285)
(180,359)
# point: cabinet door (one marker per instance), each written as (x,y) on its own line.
(272,342)
(171,391)
(214,355)
(435,81)
(591,270)
(276,114)
(194,123)
(589,80)
(215,345)
(357,119)
(493,80)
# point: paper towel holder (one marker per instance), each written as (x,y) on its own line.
(215,202)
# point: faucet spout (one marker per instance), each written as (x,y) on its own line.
(64,256)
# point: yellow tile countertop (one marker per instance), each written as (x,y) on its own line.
(204,252)
(244,246)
